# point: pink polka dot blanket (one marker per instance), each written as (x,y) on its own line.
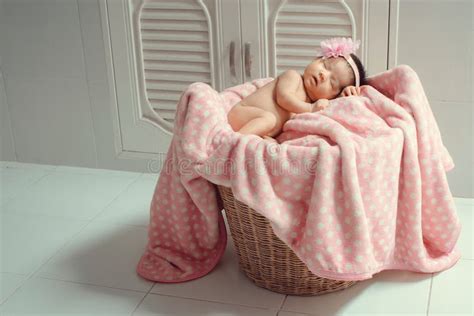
(355,189)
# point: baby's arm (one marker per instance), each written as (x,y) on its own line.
(286,87)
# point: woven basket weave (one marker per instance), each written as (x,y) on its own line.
(267,260)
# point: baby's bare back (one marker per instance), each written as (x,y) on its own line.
(265,99)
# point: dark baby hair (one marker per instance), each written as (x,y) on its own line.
(360,67)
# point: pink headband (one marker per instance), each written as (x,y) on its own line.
(342,46)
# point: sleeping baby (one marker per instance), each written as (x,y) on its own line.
(338,72)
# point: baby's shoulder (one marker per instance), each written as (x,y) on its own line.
(290,79)
(290,74)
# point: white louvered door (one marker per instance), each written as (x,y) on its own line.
(176,51)
(159,47)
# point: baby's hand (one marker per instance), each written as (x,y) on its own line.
(350,90)
(320,105)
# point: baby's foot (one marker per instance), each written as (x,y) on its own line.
(273,140)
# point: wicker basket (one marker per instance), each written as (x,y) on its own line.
(267,260)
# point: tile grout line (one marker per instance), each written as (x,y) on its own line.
(283,303)
(28,184)
(92,284)
(86,79)
(54,170)
(429,295)
(302,313)
(93,218)
(96,171)
(217,302)
(24,165)
(115,198)
(143,298)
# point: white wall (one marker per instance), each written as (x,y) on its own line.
(436,38)
(7,150)
(55,105)
(56,84)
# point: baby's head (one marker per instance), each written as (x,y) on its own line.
(336,68)
(325,78)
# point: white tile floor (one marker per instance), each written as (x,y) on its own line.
(71,239)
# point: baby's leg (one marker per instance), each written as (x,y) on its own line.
(251,120)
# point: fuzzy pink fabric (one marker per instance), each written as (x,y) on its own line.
(353,190)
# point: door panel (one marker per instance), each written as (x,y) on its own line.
(228,13)
(158,49)
(254,44)
(175,49)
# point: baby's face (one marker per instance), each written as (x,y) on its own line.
(325,78)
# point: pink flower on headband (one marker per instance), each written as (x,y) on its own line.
(339,46)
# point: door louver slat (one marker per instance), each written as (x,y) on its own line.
(177,76)
(170,5)
(169,85)
(172,25)
(175,45)
(164,95)
(176,15)
(315,18)
(168,115)
(313,7)
(166,105)
(177,65)
(175,35)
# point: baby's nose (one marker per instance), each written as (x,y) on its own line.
(322,76)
